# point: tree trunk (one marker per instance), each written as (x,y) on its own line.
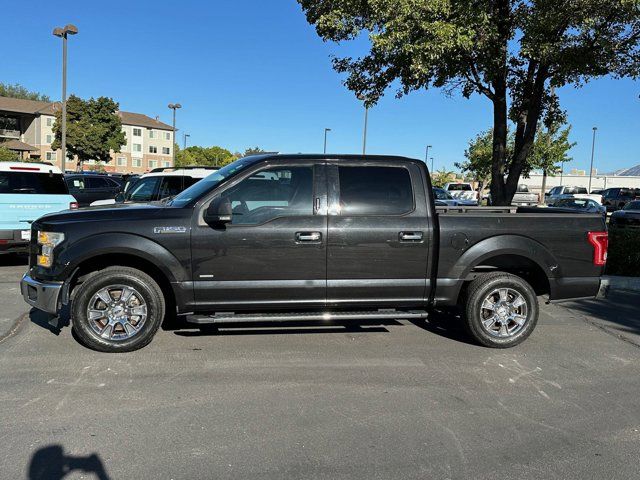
(544,187)
(498,162)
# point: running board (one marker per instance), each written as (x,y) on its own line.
(306,316)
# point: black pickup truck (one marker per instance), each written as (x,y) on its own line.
(308,237)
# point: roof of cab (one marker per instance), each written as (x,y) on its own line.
(322,156)
(28,167)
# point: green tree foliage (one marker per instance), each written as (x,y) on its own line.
(513,52)
(18,91)
(253,151)
(94,129)
(441,177)
(478,159)
(204,156)
(7,155)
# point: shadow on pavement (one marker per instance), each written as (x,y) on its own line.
(620,308)
(42,319)
(51,463)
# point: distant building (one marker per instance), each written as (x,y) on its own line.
(629,172)
(26,126)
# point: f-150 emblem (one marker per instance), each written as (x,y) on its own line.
(169,229)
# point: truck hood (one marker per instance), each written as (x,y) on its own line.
(119,211)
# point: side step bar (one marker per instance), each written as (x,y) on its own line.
(306,316)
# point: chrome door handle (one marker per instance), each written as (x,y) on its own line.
(410,236)
(308,236)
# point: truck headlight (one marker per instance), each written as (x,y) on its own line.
(47,242)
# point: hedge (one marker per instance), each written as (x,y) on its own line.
(624,251)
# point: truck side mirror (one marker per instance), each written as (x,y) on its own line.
(119,198)
(219,211)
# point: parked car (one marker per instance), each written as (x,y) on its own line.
(158,184)
(522,198)
(446,199)
(556,193)
(28,191)
(87,188)
(586,205)
(308,238)
(616,198)
(462,191)
(629,216)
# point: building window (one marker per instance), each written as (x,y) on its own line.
(153,163)
(167,163)
(49,121)
(48,139)
(136,162)
(51,156)
(153,149)
(166,150)
(122,161)
(167,135)
(152,134)
(137,132)
(137,147)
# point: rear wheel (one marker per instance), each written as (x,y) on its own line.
(119,309)
(501,310)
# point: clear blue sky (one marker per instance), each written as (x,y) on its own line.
(253,72)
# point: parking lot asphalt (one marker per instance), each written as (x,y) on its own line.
(371,401)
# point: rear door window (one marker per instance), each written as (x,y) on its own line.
(375,191)
(173,185)
(33,183)
(97,182)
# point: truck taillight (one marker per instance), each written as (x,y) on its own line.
(600,242)
(73,205)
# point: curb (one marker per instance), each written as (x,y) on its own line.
(625,284)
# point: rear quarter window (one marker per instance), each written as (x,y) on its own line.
(375,191)
(460,187)
(33,183)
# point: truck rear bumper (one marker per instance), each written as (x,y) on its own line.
(41,295)
(12,241)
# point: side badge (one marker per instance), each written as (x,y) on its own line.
(169,229)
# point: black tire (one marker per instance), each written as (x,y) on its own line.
(489,286)
(143,285)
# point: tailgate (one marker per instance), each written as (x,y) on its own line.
(17,211)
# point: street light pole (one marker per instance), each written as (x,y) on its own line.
(64,32)
(593,146)
(184,143)
(174,107)
(431,164)
(426,155)
(364,134)
(325,139)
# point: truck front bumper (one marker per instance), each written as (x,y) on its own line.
(41,295)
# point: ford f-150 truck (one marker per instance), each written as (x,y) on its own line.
(308,237)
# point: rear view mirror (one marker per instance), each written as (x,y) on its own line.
(219,211)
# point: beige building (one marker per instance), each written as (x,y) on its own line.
(26,126)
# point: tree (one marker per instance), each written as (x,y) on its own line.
(204,156)
(442,177)
(94,129)
(510,51)
(478,163)
(253,151)
(550,148)
(7,155)
(18,91)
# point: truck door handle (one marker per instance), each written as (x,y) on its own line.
(410,236)
(308,236)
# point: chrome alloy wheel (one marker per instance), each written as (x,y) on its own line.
(503,312)
(117,312)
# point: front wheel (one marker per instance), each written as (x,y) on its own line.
(118,309)
(501,310)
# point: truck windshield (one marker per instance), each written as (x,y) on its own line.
(200,188)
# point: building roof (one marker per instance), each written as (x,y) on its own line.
(35,107)
(18,146)
(141,120)
(20,105)
(629,172)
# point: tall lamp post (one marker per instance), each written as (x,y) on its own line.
(364,133)
(431,165)
(593,147)
(325,139)
(184,141)
(174,107)
(64,32)
(426,155)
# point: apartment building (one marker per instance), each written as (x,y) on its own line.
(26,126)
